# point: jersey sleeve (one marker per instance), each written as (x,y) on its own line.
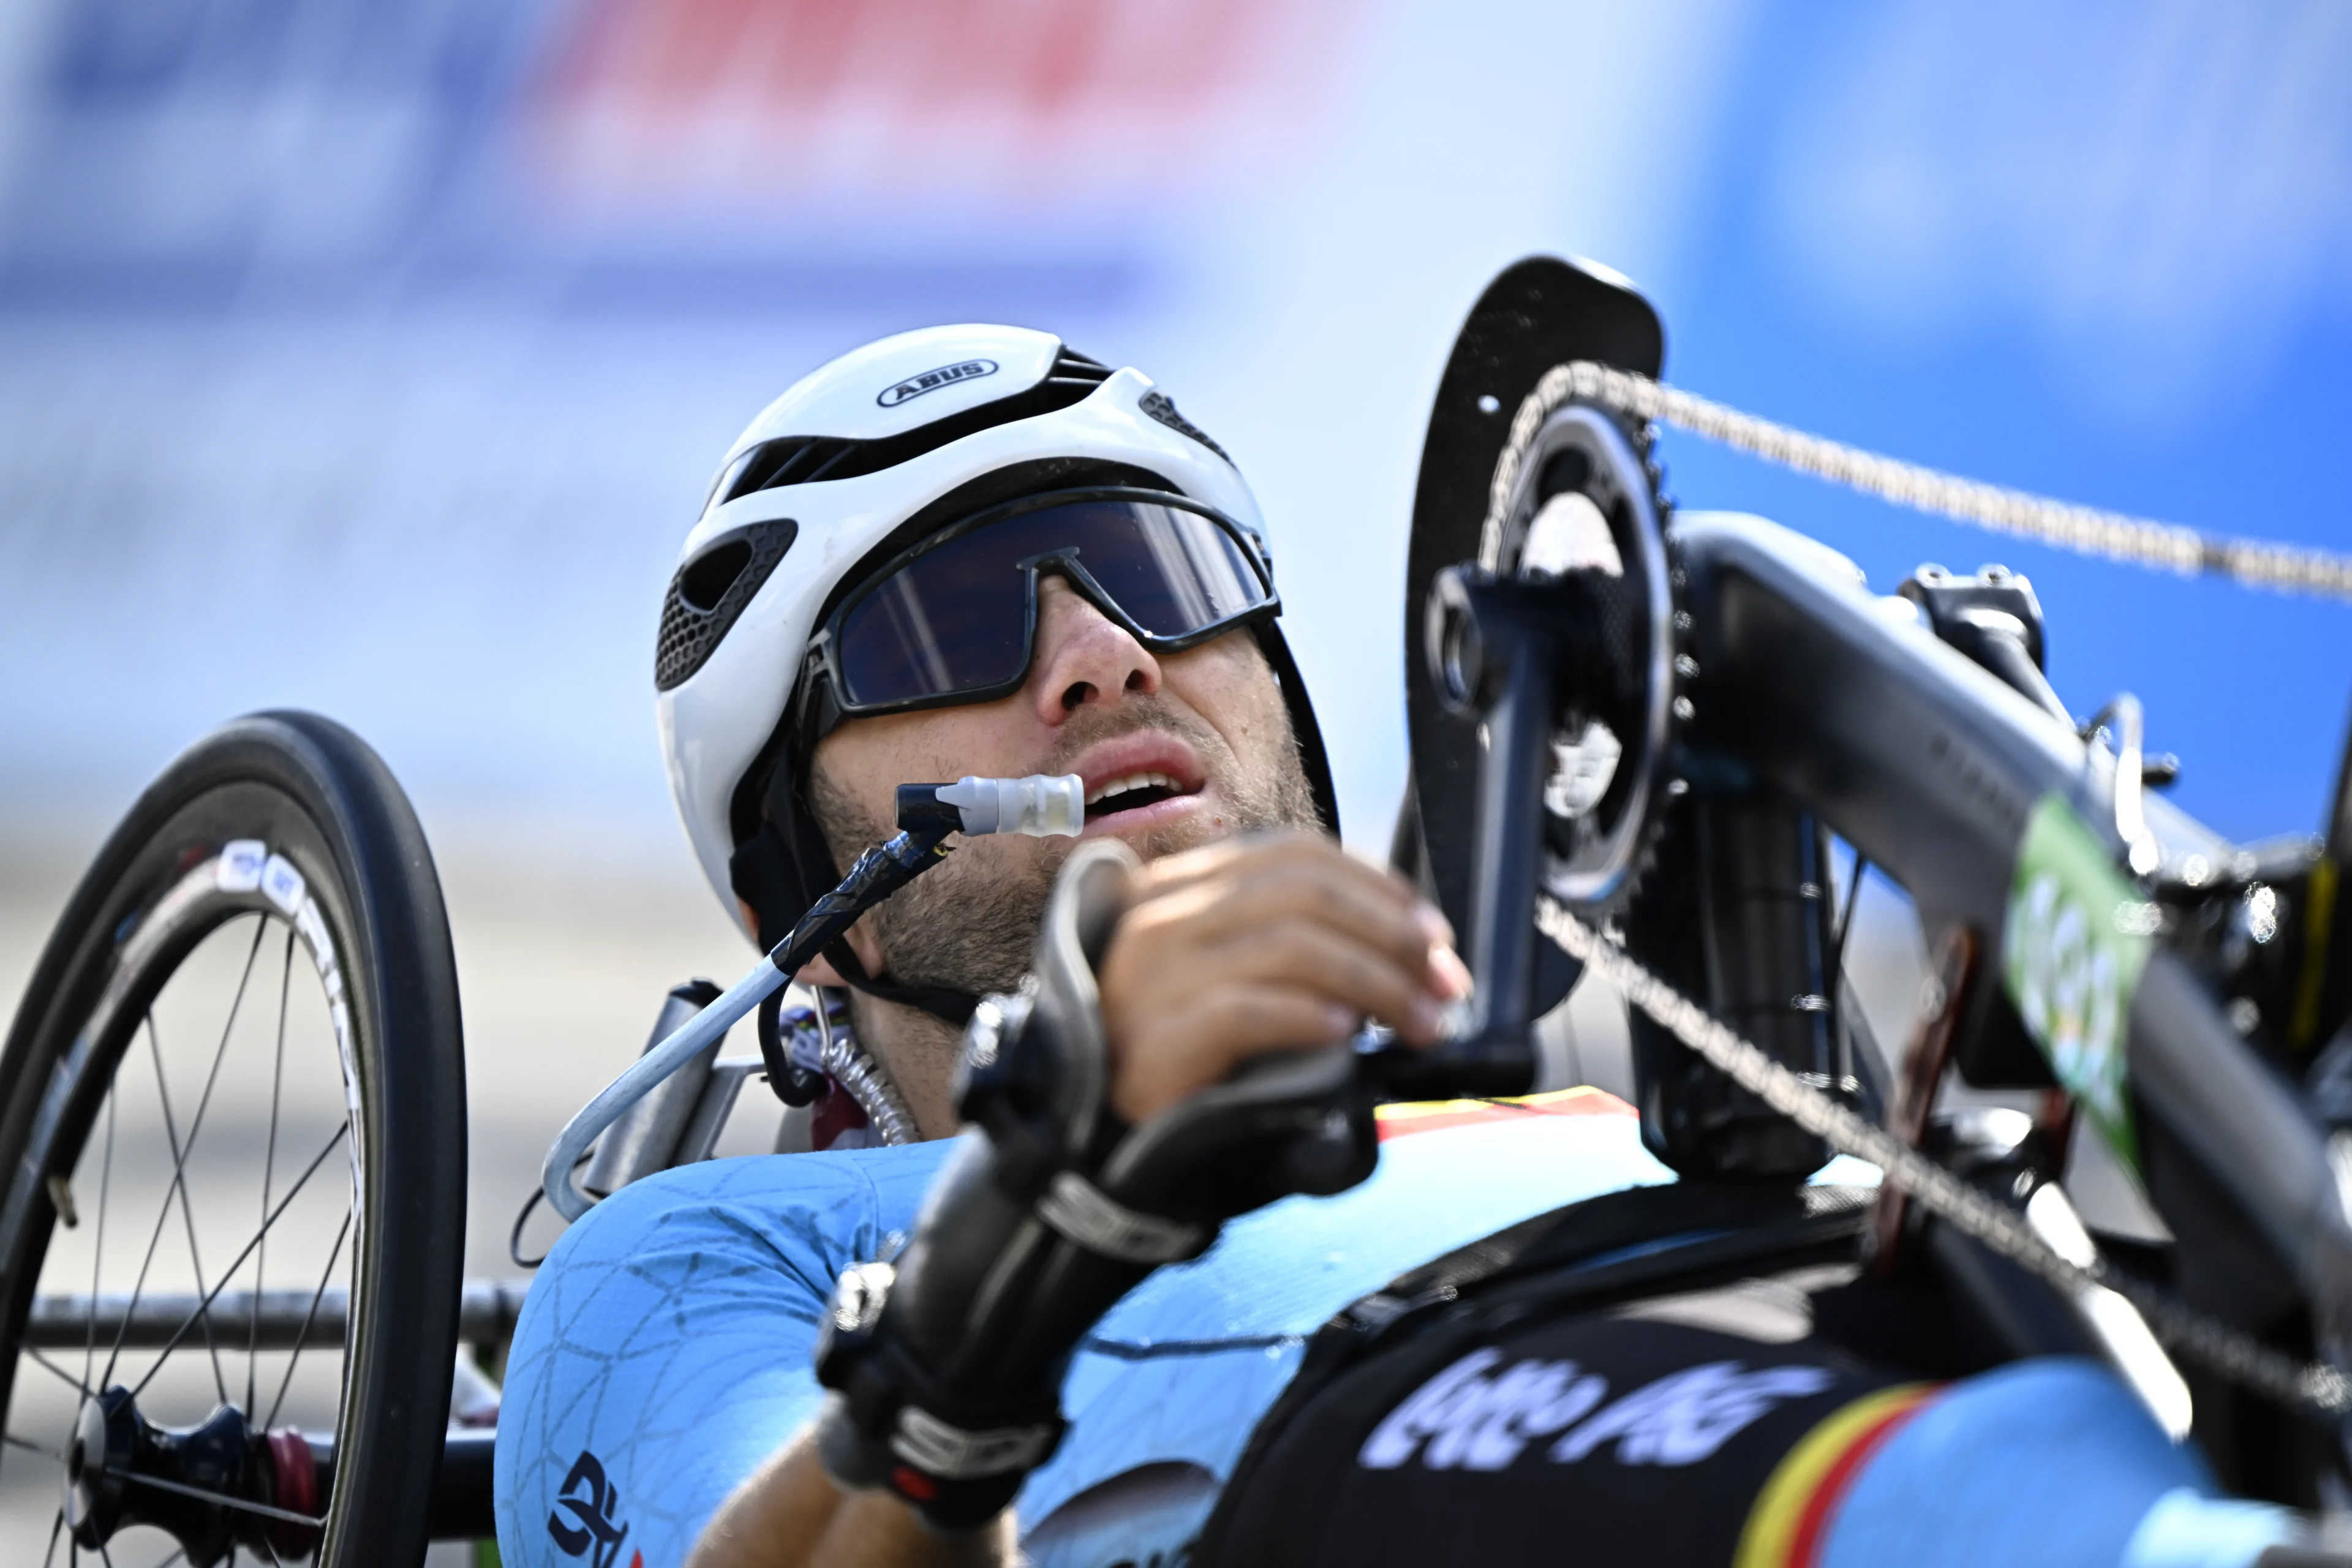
(664,1351)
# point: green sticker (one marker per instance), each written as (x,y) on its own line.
(2074,941)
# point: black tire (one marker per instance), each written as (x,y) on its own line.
(321,801)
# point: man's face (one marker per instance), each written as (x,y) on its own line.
(1176,750)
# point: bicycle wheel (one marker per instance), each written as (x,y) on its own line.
(233,1143)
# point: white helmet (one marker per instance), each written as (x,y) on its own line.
(874,451)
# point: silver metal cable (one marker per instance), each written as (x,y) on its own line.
(2224,1350)
(871,1088)
(2288,568)
(819,1042)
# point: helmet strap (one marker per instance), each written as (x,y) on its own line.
(953,1007)
(764,870)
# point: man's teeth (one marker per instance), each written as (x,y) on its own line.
(1133,781)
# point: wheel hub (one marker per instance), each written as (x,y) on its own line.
(211,1487)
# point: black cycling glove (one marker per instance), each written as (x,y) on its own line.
(946,1363)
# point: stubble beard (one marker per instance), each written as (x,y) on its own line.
(970,927)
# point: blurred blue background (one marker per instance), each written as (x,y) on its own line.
(374,355)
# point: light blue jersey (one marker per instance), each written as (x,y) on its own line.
(664,1354)
(665,1350)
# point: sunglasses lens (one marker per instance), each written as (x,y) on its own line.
(1173,571)
(955,618)
(950,621)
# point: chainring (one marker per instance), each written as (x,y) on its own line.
(1541,313)
(1588,500)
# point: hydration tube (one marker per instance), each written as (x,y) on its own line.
(1037,807)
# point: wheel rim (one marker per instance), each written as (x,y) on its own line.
(191,1132)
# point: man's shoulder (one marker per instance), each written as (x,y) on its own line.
(842,1201)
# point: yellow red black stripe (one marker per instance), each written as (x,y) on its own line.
(1785,1527)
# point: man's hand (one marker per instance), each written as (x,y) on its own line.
(1261,944)
(1158,981)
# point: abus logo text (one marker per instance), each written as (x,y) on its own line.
(932,380)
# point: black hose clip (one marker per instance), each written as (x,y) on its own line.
(795,1085)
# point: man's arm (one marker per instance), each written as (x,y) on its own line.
(789,1512)
(1221,954)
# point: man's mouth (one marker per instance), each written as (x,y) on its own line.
(1141,780)
(1131,793)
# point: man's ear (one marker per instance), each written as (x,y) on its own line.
(819,970)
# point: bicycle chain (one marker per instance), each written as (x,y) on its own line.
(2234,1354)
(2088,531)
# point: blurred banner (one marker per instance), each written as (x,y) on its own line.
(191,154)
(1033,125)
(373,357)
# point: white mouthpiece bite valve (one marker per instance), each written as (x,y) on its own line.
(1037,805)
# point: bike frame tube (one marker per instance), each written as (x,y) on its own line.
(1930,766)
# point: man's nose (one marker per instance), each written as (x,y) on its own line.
(1083,656)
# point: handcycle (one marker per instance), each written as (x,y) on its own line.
(1676,713)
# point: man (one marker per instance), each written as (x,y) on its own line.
(1248,931)
(969,551)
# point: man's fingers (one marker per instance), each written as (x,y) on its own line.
(1188,867)
(1263,943)
(1359,978)
(1262,853)
(1448,975)
(1200,1046)
(1363,906)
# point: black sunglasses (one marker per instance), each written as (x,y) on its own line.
(954,619)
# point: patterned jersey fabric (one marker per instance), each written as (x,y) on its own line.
(664,1354)
(664,1351)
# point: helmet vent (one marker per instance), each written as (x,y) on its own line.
(707,577)
(1160,407)
(1077,370)
(806,459)
(708,594)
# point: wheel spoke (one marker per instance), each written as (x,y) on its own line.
(32,1447)
(68,1379)
(180,1151)
(98,1246)
(303,1334)
(205,1302)
(268,1165)
(56,1526)
(179,1169)
(155,1236)
(147,1262)
(222,1499)
(178,1189)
